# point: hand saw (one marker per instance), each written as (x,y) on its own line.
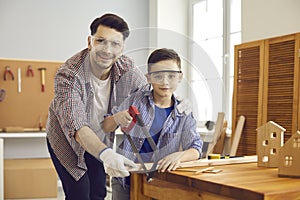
(136,119)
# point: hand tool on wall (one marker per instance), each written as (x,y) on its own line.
(8,72)
(29,71)
(40,124)
(2,94)
(135,114)
(19,80)
(43,78)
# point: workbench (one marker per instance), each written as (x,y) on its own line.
(235,181)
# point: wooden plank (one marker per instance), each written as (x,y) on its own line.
(216,162)
(202,163)
(237,136)
(217,133)
(219,147)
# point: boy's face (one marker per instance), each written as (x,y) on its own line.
(164,77)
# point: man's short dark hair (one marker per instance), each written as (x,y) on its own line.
(163,54)
(111,21)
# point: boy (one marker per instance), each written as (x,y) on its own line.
(170,129)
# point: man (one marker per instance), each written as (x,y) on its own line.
(86,87)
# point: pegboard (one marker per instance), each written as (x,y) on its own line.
(30,106)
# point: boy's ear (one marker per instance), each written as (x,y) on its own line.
(148,78)
(180,77)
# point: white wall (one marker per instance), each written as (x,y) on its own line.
(269,18)
(55,29)
(170,18)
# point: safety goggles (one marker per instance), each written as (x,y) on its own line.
(99,42)
(164,76)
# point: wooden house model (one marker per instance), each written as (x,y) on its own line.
(289,157)
(269,141)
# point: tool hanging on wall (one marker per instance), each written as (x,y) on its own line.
(2,94)
(19,80)
(42,70)
(29,71)
(8,71)
(40,124)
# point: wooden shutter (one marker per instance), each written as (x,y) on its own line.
(280,73)
(247,89)
(266,87)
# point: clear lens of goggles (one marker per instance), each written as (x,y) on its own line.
(162,76)
(101,42)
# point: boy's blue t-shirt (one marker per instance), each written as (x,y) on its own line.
(161,115)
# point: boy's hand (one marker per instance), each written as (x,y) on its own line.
(170,162)
(114,163)
(122,118)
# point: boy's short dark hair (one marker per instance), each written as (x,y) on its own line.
(111,21)
(163,54)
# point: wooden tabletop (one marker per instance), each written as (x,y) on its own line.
(235,181)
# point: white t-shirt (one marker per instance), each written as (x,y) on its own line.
(101,100)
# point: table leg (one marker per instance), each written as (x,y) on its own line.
(136,187)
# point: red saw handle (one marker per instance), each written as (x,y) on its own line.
(134,113)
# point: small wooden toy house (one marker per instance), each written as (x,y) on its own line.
(289,157)
(269,141)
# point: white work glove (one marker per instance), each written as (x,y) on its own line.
(114,163)
(170,162)
(184,106)
(122,118)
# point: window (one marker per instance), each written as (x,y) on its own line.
(296,143)
(288,161)
(216,28)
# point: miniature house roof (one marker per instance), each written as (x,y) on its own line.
(270,124)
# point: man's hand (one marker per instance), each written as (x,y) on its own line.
(114,164)
(170,162)
(122,118)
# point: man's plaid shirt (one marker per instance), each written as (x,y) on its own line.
(73,99)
